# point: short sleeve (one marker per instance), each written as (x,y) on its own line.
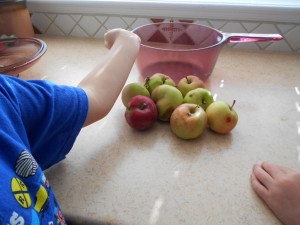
(51,116)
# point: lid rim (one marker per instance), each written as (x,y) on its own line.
(12,3)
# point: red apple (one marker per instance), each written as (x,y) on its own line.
(141,112)
(188,121)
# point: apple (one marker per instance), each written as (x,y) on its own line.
(156,80)
(221,116)
(199,96)
(188,121)
(189,83)
(166,98)
(131,90)
(141,112)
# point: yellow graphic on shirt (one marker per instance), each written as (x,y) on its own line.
(21,193)
(41,199)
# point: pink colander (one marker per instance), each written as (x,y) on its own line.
(180,49)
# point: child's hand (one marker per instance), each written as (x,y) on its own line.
(119,34)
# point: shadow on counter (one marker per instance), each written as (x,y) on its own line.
(76,220)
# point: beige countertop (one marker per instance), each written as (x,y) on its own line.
(116,175)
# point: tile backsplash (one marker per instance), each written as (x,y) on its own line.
(94,26)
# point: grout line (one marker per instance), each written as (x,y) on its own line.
(52,21)
(76,24)
(284,39)
(129,24)
(99,28)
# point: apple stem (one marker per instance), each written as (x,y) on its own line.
(193,110)
(231,107)
(143,106)
(187,80)
(164,80)
(146,85)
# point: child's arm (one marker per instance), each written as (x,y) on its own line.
(105,82)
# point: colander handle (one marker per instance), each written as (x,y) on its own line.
(252,37)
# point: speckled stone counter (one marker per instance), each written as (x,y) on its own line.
(115,175)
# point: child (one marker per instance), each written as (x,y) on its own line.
(40,122)
(279,188)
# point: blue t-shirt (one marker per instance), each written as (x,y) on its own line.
(39,122)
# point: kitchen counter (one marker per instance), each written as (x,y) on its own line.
(115,175)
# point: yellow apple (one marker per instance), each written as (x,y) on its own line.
(188,121)
(222,118)
(189,83)
(166,98)
(131,90)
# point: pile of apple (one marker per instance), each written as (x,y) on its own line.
(188,106)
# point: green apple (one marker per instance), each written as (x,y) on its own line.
(199,96)
(189,83)
(221,116)
(156,80)
(188,121)
(166,98)
(131,90)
